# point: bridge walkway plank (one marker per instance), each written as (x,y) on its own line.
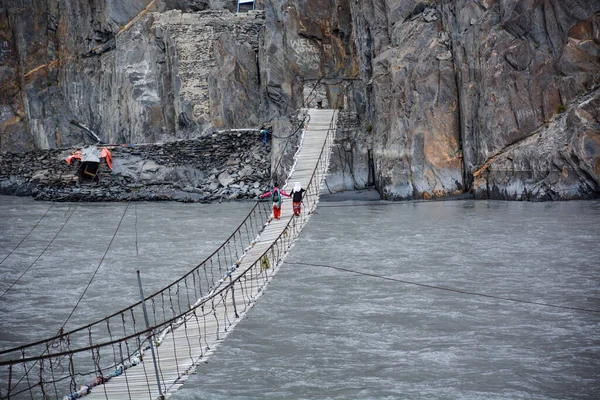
(182,348)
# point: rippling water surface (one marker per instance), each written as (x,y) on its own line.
(51,268)
(458,299)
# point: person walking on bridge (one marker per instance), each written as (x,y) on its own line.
(297,193)
(275,194)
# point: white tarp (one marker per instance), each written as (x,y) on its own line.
(91,153)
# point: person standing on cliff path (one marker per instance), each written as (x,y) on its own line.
(275,194)
(297,193)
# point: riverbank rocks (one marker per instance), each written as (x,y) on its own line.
(197,170)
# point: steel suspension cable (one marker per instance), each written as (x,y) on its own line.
(446,288)
(99,264)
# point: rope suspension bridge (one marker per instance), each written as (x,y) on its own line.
(149,349)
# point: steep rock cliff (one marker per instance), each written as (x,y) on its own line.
(493,97)
(127,71)
(451,84)
(519,65)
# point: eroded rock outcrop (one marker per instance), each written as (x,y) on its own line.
(519,66)
(558,161)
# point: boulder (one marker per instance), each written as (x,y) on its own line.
(225,178)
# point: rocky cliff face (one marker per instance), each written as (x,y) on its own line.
(128,72)
(520,65)
(452,85)
(494,97)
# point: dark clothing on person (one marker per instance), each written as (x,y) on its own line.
(297,195)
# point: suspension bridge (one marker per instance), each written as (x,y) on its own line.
(123,357)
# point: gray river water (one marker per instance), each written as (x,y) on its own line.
(422,300)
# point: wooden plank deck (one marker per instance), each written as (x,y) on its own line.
(196,339)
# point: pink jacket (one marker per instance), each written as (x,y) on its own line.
(270,192)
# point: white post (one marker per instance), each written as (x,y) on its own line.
(150,334)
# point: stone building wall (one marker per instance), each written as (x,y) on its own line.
(201,43)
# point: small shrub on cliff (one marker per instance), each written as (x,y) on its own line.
(561,109)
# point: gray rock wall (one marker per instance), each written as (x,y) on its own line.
(451,85)
(558,161)
(439,97)
(519,66)
(130,73)
(351,166)
(416,139)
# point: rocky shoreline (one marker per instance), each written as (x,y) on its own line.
(223,166)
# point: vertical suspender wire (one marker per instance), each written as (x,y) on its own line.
(187,292)
(41,383)
(146,372)
(178,292)
(113,350)
(43,251)
(195,313)
(27,375)
(200,281)
(175,349)
(162,302)
(154,312)
(26,236)
(124,373)
(204,325)
(214,312)
(224,302)
(128,352)
(52,375)
(211,272)
(98,267)
(187,339)
(72,374)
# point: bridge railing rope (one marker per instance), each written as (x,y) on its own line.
(200,307)
(124,325)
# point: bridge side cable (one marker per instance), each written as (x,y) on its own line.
(43,251)
(25,238)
